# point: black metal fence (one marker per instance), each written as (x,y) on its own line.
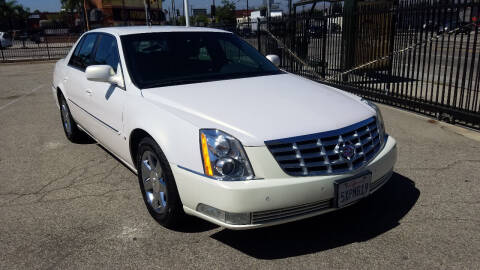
(418,55)
(44,45)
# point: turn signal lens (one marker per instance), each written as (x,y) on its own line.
(206,158)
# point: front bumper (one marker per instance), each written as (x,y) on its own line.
(298,197)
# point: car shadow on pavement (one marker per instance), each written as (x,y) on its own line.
(85,139)
(373,216)
(191,224)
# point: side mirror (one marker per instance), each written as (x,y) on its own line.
(274,59)
(103,73)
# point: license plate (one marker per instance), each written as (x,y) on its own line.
(352,189)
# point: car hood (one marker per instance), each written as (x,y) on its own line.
(258,109)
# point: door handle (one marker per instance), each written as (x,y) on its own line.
(89,92)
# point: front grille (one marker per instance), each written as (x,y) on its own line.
(320,153)
(290,212)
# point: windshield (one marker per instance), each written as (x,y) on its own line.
(171,58)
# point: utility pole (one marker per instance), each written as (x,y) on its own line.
(248,16)
(124,15)
(173,13)
(268,9)
(289,8)
(86,14)
(185,13)
(148,21)
(212,9)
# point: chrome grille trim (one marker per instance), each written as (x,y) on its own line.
(318,154)
(290,212)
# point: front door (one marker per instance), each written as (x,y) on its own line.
(106,100)
(76,83)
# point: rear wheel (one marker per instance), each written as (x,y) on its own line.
(157,184)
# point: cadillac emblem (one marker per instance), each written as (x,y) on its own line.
(346,150)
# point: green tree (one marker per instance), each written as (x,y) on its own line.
(225,14)
(181,20)
(76,6)
(72,5)
(201,20)
(12,15)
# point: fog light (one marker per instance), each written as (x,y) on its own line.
(226,217)
(237,218)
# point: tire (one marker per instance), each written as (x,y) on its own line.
(157,184)
(69,125)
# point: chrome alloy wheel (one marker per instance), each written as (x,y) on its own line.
(66,118)
(153,181)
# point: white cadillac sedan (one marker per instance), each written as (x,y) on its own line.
(214,129)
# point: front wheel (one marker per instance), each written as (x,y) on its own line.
(157,184)
(72,132)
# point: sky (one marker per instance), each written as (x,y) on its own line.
(54,5)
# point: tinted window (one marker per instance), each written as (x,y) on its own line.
(74,60)
(159,59)
(235,54)
(107,52)
(82,56)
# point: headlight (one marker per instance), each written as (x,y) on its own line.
(380,124)
(223,156)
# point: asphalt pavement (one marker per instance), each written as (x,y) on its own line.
(65,205)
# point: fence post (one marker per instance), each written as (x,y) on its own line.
(350,14)
(1,50)
(48,49)
(391,47)
(324,33)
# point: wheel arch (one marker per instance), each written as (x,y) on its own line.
(59,92)
(134,139)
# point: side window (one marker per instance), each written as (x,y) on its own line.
(74,60)
(82,57)
(107,52)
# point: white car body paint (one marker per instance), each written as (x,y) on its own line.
(253,110)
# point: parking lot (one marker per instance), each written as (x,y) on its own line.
(65,205)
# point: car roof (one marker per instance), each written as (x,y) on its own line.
(129,30)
